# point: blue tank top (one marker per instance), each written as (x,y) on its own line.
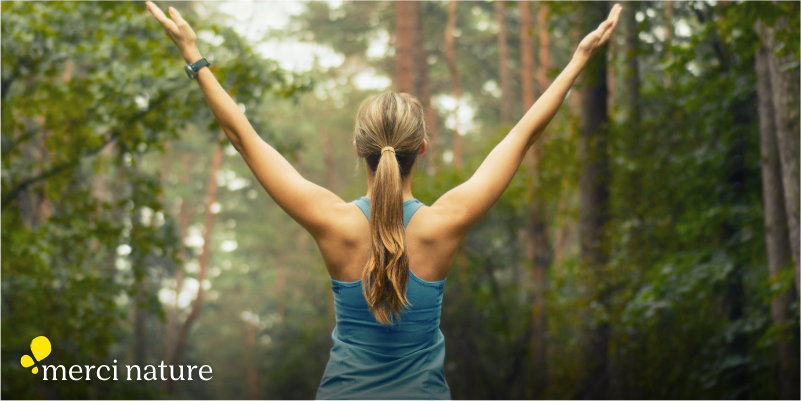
(370,360)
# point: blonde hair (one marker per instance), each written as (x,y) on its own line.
(390,128)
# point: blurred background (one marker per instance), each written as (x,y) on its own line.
(647,248)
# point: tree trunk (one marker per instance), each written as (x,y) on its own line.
(540,255)
(539,247)
(432,122)
(526,55)
(503,63)
(776,230)
(280,290)
(184,217)
(632,72)
(249,345)
(668,27)
(544,53)
(456,85)
(203,260)
(423,91)
(404,25)
(574,94)
(593,201)
(565,230)
(528,95)
(139,317)
(785,85)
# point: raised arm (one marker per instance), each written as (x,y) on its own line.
(308,203)
(468,202)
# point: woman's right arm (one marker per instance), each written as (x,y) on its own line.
(465,204)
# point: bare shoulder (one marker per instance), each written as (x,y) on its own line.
(432,242)
(346,224)
(344,243)
(438,222)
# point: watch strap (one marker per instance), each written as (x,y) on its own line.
(193,68)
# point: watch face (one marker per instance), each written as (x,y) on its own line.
(189,71)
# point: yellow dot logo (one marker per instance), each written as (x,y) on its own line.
(40,348)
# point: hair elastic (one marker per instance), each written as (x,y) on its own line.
(387,149)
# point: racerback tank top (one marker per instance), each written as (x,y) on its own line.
(370,360)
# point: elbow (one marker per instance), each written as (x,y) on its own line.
(236,141)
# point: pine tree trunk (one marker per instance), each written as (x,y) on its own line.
(139,346)
(203,260)
(404,25)
(544,53)
(456,85)
(280,291)
(776,230)
(668,26)
(184,217)
(632,72)
(593,200)
(432,123)
(503,63)
(785,85)
(420,61)
(527,79)
(526,55)
(541,253)
(249,345)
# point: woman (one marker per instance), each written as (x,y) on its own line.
(387,269)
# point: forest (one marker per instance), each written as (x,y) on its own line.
(648,247)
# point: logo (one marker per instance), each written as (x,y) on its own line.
(40,348)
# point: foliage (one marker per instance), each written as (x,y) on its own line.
(89,91)
(105,142)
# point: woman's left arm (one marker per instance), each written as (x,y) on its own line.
(306,202)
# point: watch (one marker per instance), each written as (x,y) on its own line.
(192,69)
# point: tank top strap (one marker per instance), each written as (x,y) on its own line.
(409,208)
(364,204)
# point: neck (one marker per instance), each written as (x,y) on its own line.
(406,187)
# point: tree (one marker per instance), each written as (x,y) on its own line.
(538,247)
(594,198)
(423,87)
(784,82)
(203,262)
(632,70)
(450,58)
(503,63)
(777,239)
(405,18)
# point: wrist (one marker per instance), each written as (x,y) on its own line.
(579,59)
(578,62)
(191,55)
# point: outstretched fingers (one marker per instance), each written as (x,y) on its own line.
(614,12)
(160,17)
(176,16)
(610,23)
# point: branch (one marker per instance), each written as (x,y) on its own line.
(13,193)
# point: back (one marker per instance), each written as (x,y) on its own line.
(373,360)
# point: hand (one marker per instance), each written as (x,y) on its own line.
(178,30)
(597,38)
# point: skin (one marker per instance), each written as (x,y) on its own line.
(339,227)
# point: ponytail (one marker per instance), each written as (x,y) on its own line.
(389,133)
(387,271)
